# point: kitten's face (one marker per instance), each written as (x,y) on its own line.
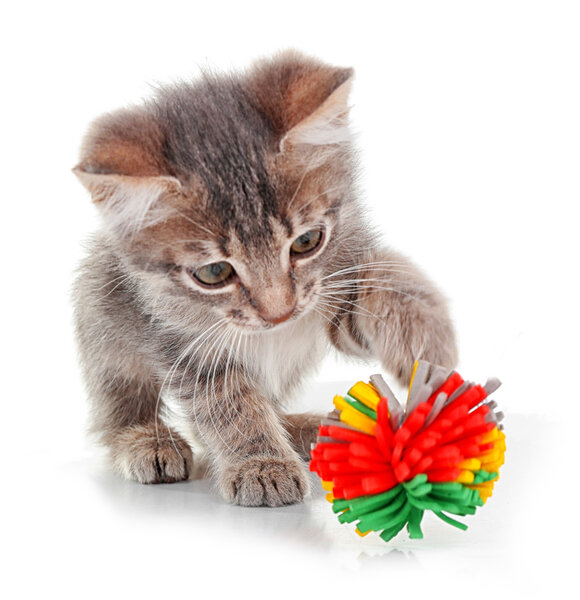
(232,196)
(257,274)
(259,287)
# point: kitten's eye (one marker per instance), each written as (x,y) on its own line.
(307,242)
(214,273)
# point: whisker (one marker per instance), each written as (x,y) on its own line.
(306,170)
(211,373)
(328,191)
(124,275)
(167,381)
(323,314)
(201,365)
(225,341)
(361,311)
(363,286)
(212,233)
(201,341)
(228,417)
(123,280)
(376,271)
(219,344)
(387,265)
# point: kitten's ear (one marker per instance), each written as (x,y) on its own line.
(122,167)
(306,100)
(326,126)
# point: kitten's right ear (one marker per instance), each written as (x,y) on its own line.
(122,167)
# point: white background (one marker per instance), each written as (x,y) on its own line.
(468,123)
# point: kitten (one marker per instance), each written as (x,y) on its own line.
(233,253)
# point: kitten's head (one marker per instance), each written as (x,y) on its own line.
(234,192)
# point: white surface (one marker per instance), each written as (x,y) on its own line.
(76,526)
(468,124)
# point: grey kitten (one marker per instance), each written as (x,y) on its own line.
(233,253)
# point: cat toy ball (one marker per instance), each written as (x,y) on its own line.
(384,465)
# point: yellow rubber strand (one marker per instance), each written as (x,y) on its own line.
(352,417)
(366,394)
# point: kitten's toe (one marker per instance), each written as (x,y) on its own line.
(265,481)
(146,455)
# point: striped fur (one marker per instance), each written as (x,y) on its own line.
(235,167)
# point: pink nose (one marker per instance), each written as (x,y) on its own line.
(281,318)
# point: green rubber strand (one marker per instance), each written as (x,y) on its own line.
(449,485)
(347,517)
(416,481)
(451,521)
(365,504)
(338,505)
(382,513)
(421,490)
(424,504)
(395,520)
(414,524)
(482,476)
(369,412)
(450,490)
(389,534)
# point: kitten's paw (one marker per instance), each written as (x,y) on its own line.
(265,481)
(438,344)
(146,455)
(423,334)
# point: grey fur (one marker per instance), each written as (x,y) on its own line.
(219,164)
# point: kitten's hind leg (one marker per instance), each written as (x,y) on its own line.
(303,431)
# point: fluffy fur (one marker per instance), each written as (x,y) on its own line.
(235,167)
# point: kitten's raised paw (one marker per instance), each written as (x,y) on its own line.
(147,455)
(265,481)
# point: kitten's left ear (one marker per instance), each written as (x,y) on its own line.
(306,100)
(326,126)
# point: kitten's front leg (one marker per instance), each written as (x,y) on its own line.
(254,461)
(395,314)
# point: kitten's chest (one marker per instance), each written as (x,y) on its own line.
(281,359)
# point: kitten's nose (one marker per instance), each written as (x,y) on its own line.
(281,318)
